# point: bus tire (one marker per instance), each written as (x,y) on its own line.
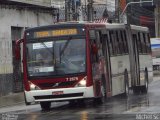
(136,90)
(126,83)
(45,106)
(144,89)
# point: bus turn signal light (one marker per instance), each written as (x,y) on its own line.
(33,86)
(82,83)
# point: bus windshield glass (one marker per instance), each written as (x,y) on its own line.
(58,57)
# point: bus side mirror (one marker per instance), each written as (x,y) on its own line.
(18,49)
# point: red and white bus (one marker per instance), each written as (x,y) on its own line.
(77,61)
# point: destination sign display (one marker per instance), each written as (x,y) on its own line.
(53,33)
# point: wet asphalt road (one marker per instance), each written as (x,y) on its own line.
(135,107)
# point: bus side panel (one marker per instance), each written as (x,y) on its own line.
(118,66)
(145,62)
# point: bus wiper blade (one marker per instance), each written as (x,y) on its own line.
(47,48)
(65,46)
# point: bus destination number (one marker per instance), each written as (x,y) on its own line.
(72,79)
(51,33)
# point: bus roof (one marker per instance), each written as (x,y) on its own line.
(140,28)
(55,26)
(73,24)
(83,23)
(115,25)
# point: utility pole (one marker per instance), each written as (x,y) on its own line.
(90,10)
(117,11)
(68,10)
(80,12)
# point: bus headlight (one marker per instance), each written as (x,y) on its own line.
(33,86)
(82,83)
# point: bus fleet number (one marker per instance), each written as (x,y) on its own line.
(72,79)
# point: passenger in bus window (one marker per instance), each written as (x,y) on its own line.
(95,51)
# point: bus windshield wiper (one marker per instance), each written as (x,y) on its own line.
(65,46)
(47,48)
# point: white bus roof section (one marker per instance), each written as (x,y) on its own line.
(140,28)
(115,26)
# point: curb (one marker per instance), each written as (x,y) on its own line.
(13,99)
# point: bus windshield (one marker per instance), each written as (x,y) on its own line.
(58,57)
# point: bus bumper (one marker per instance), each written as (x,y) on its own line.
(59,94)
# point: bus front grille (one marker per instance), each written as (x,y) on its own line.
(56,85)
(58,96)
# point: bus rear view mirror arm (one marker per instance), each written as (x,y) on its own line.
(18,49)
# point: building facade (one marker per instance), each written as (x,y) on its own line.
(15,17)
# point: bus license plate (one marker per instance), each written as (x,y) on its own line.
(57,93)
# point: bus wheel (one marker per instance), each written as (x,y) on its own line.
(45,105)
(126,83)
(144,89)
(136,89)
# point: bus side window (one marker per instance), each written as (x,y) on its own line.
(143,43)
(104,44)
(134,36)
(117,43)
(122,44)
(139,43)
(93,51)
(99,43)
(93,46)
(148,44)
(111,43)
(125,43)
(96,52)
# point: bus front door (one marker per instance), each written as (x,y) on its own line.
(107,69)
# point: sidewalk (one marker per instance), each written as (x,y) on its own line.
(13,99)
